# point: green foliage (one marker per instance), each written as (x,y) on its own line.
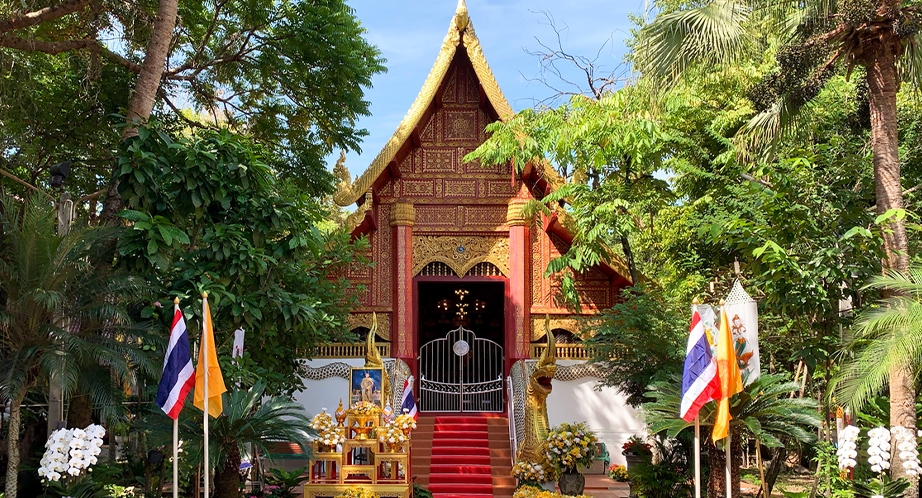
(763,410)
(44,277)
(605,151)
(249,419)
(285,481)
(669,476)
(886,336)
(640,341)
(882,487)
(829,478)
(206,213)
(253,65)
(418,491)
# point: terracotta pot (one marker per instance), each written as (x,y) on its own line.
(571,483)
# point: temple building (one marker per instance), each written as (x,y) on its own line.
(456,294)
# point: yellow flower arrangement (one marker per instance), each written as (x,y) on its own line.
(365,409)
(322,421)
(569,446)
(356,492)
(328,433)
(531,472)
(392,434)
(405,421)
(533,492)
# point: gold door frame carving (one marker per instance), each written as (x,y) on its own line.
(460,253)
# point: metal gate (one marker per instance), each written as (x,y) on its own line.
(461,373)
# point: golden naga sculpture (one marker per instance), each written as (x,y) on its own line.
(373,359)
(539,387)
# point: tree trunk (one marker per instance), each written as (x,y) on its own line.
(629,259)
(227,479)
(12,464)
(883,83)
(717,480)
(145,90)
(80,413)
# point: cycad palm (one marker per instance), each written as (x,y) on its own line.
(888,336)
(764,410)
(879,35)
(47,281)
(248,420)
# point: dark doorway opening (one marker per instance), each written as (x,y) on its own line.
(477,306)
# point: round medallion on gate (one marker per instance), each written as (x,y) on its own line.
(461,347)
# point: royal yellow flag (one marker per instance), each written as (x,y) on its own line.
(731,381)
(208,359)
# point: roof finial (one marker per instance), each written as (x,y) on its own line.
(462,7)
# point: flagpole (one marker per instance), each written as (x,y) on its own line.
(176,457)
(205,383)
(175,431)
(697,457)
(729,485)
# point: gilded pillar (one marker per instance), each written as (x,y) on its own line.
(517,315)
(403,337)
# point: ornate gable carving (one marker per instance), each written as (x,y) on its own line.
(460,253)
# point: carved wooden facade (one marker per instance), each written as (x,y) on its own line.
(421,206)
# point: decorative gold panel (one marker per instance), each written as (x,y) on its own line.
(580,326)
(365,320)
(459,252)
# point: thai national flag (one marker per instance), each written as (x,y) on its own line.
(178,374)
(700,382)
(408,402)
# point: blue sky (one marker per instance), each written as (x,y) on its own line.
(409,35)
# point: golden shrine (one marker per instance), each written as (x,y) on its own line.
(360,460)
(457,280)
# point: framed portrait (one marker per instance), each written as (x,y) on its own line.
(365,385)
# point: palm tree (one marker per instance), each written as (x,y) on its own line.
(764,410)
(248,421)
(62,308)
(887,337)
(880,36)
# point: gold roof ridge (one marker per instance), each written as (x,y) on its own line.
(460,32)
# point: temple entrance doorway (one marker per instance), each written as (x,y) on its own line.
(461,337)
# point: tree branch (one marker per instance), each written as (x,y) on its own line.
(39,16)
(47,47)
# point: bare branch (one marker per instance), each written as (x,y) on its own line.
(30,19)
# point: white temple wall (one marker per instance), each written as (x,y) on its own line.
(605,411)
(320,394)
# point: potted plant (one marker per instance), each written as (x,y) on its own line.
(617,473)
(636,450)
(567,447)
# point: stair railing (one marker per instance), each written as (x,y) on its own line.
(510,414)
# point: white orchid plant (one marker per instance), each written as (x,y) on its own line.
(879,449)
(69,456)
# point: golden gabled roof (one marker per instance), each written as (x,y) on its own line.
(460,32)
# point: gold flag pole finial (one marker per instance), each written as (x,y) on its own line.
(695,301)
(176,300)
(204,294)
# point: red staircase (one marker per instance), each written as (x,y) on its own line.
(469,456)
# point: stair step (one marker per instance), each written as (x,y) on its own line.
(461,488)
(458,434)
(448,450)
(460,443)
(465,479)
(460,460)
(452,468)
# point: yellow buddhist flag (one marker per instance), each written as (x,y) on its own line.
(208,362)
(731,382)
